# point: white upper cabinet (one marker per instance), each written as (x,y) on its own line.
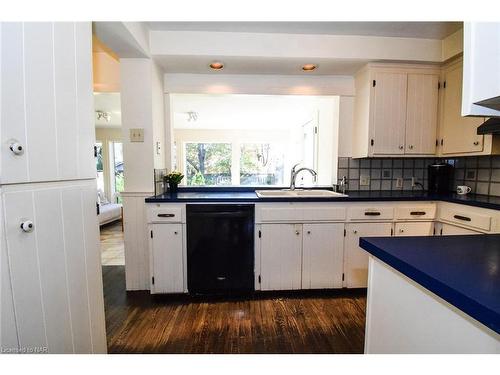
(481,84)
(421,114)
(457,134)
(46,102)
(396,110)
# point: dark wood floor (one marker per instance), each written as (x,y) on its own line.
(305,323)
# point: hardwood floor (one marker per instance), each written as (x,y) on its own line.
(112,248)
(315,322)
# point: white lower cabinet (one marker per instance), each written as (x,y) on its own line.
(322,254)
(167,262)
(451,230)
(414,229)
(281,256)
(355,258)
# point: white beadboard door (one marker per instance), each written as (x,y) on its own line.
(322,255)
(281,256)
(47,103)
(355,258)
(422,114)
(388,114)
(8,328)
(55,269)
(167,258)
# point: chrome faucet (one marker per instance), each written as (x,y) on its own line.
(343,184)
(294,174)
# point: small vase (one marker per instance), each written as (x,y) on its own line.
(173,188)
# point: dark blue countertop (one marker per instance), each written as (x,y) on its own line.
(462,270)
(246,194)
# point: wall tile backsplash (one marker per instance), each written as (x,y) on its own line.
(481,173)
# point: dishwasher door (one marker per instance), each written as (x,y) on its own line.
(220,248)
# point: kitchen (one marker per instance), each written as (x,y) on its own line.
(346,181)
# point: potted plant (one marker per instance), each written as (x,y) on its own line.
(173,179)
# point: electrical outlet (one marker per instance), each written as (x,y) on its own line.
(399,183)
(137,135)
(364,181)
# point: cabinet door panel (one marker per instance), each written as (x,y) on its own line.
(421,113)
(322,255)
(281,256)
(458,133)
(453,230)
(167,258)
(414,229)
(355,258)
(389,113)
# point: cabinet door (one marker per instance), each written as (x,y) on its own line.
(458,134)
(452,230)
(55,268)
(355,258)
(322,256)
(47,73)
(167,258)
(389,113)
(414,229)
(281,256)
(421,114)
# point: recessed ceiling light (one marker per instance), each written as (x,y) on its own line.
(308,67)
(216,65)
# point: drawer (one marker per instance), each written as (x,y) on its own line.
(302,214)
(466,218)
(368,213)
(165,214)
(421,212)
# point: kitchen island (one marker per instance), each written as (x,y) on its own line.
(433,294)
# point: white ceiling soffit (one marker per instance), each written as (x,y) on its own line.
(126,39)
(424,30)
(257,65)
(110,103)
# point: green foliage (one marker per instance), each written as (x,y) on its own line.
(197,179)
(205,159)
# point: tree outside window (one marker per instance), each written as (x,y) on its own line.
(208,163)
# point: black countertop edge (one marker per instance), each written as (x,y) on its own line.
(245,194)
(463,302)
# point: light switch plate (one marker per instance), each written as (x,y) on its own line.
(137,135)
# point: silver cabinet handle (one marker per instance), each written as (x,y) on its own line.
(27,226)
(16,148)
(297,232)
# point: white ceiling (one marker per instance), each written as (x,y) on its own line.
(108,102)
(424,30)
(243,111)
(261,65)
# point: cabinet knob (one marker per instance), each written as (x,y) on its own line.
(16,148)
(175,232)
(401,147)
(476,143)
(410,147)
(27,226)
(308,232)
(297,232)
(401,231)
(354,231)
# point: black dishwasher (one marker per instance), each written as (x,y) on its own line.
(220,248)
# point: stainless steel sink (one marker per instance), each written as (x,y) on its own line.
(298,193)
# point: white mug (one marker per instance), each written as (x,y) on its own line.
(463,189)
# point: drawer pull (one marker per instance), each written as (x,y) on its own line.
(372,213)
(460,217)
(417,213)
(166,215)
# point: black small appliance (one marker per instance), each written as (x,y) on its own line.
(440,178)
